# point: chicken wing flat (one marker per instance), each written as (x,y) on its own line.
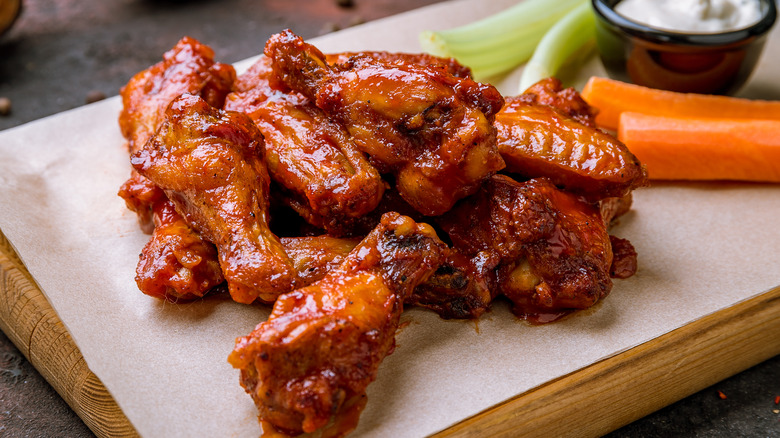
(209,162)
(550,249)
(321,346)
(433,131)
(311,157)
(537,140)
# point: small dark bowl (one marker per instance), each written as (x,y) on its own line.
(713,63)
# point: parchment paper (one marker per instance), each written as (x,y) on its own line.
(702,248)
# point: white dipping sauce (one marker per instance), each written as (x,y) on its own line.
(695,16)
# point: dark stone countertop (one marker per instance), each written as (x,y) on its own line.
(62,52)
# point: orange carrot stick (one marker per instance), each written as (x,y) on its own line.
(612,97)
(676,148)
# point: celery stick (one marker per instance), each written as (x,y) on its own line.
(563,40)
(498,43)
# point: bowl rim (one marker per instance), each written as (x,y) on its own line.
(607,14)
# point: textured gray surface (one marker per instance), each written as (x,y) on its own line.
(61,51)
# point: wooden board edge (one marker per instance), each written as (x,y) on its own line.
(616,391)
(30,322)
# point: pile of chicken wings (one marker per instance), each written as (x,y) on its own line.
(342,187)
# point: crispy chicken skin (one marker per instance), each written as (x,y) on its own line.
(550,249)
(209,162)
(538,140)
(433,131)
(322,344)
(311,157)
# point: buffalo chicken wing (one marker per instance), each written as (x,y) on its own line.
(176,264)
(322,344)
(209,163)
(433,131)
(312,158)
(538,140)
(550,249)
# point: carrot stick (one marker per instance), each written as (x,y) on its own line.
(676,148)
(612,97)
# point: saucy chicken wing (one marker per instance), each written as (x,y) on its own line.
(314,357)
(433,131)
(187,68)
(457,289)
(550,249)
(209,162)
(176,264)
(538,140)
(312,158)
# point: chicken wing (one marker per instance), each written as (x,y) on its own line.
(187,68)
(321,346)
(569,268)
(209,162)
(330,181)
(550,249)
(433,131)
(457,289)
(537,140)
(176,264)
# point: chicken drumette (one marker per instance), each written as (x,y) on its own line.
(209,162)
(321,347)
(325,178)
(433,131)
(176,264)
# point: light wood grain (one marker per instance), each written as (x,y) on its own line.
(589,402)
(614,392)
(29,321)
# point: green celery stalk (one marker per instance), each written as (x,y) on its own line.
(559,44)
(498,43)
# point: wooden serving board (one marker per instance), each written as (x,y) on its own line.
(591,401)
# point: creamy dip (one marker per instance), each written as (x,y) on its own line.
(696,16)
